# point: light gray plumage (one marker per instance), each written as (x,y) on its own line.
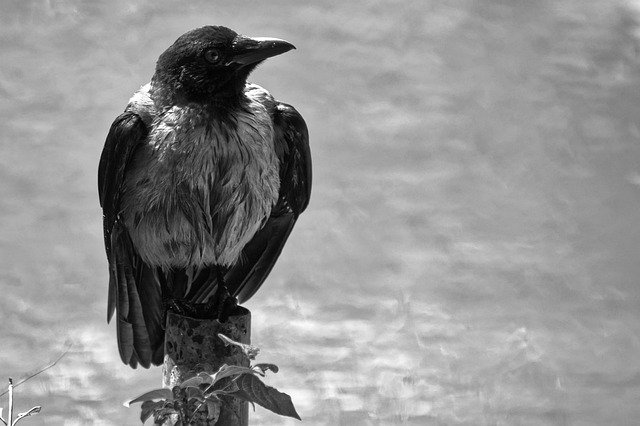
(189,157)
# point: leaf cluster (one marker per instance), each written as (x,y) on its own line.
(197,400)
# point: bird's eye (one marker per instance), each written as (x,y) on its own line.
(212,55)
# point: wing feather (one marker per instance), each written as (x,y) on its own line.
(134,292)
(260,254)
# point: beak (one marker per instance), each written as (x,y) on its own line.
(250,50)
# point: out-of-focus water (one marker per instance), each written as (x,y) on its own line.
(470,255)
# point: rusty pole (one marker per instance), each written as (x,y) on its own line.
(192,345)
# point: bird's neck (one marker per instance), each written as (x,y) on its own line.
(167,94)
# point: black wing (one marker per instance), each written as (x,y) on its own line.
(126,133)
(134,290)
(261,253)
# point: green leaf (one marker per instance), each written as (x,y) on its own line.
(252,389)
(229,371)
(192,382)
(166,416)
(197,380)
(148,408)
(213,409)
(250,351)
(162,393)
(263,368)
(194,392)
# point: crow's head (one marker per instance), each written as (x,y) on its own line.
(211,64)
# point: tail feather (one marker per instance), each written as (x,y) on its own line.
(150,293)
(111,301)
(141,342)
(203,285)
(138,302)
(125,342)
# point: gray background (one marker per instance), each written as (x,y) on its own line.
(470,254)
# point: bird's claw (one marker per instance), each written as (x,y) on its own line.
(221,306)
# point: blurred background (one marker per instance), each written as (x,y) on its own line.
(470,254)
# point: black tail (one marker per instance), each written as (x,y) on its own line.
(135,294)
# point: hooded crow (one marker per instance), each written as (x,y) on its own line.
(201,181)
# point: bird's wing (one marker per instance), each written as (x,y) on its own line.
(261,253)
(126,133)
(134,290)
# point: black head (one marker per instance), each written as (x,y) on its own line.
(210,65)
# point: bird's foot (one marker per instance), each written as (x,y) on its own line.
(182,307)
(220,308)
(222,304)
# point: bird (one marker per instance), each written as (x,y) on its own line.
(201,181)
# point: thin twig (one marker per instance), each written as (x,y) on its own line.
(40,371)
(10,415)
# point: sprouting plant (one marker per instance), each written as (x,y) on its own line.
(198,399)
